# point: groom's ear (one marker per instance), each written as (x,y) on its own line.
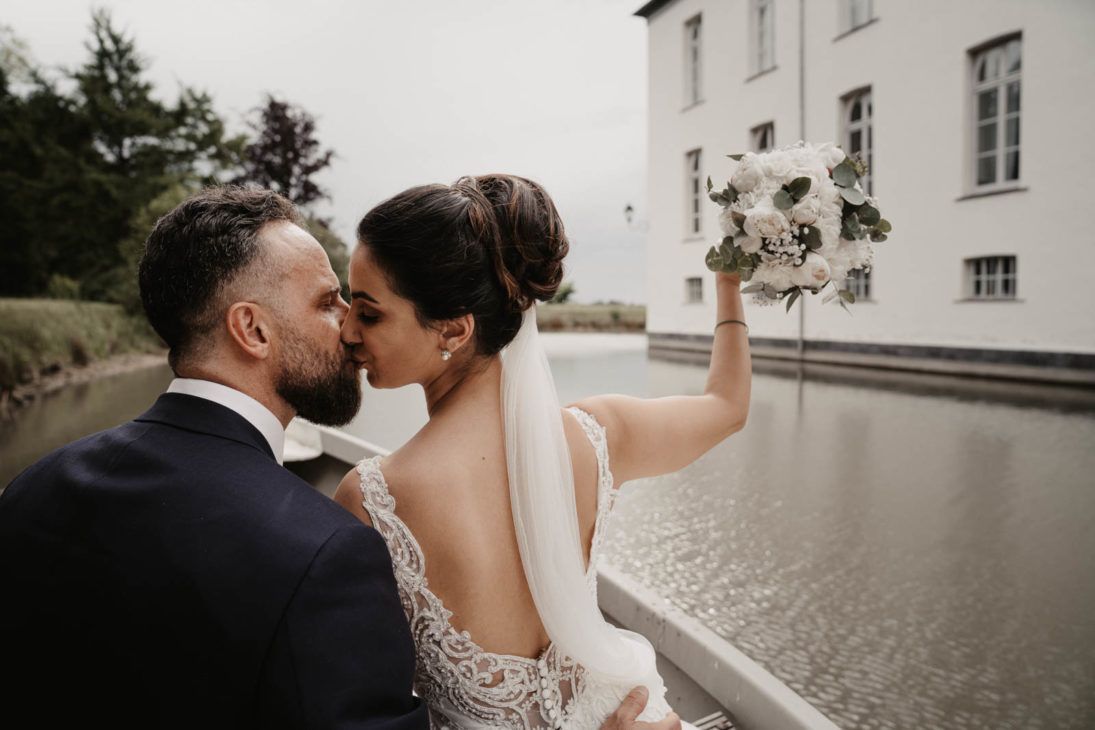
(249,329)
(455,333)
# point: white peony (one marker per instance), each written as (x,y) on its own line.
(777,166)
(749,244)
(831,154)
(813,273)
(748,175)
(806,210)
(779,276)
(766,222)
(726,222)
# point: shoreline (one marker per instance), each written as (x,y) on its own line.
(12,401)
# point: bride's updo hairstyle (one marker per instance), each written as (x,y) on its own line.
(489,246)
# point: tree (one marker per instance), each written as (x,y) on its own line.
(285,156)
(564,293)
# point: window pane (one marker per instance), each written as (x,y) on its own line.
(857,111)
(1012,139)
(986,137)
(855,141)
(1012,166)
(986,170)
(1014,56)
(986,104)
(977,287)
(1013,96)
(980,69)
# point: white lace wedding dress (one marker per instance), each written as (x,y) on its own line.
(467,687)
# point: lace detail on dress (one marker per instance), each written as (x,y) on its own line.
(462,684)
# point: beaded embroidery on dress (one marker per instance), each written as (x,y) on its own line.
(463,685)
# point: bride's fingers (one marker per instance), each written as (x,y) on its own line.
(629,709)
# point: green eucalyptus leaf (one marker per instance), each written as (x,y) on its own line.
(752,288)
(853,196)
(783,200)
(799,187)
(770,292)
(709,184)
(726,252)
(713,260)
(745,273)
(884,226)
(795,293)
(878,237)
(715,197)
(737,218)
(846,295)
(844,174)
(812,238)
(736,158)
(869,215)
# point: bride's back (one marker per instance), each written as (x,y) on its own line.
(451,490)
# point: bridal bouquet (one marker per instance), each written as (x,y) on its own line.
(796,219)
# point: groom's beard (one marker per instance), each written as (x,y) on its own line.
(321,388)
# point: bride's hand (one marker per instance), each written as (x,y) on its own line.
(626,716)
(724,278)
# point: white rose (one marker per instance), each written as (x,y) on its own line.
(805,211)
(813,273)
(766,222)
(748,175)
(778,166)
(726,222)
(749,244)
(779,276)
(831,155)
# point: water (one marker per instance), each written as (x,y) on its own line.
(903,553)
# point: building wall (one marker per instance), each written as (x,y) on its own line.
(915,58)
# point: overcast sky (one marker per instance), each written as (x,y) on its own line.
(416,91)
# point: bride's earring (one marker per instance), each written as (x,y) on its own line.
(445,355)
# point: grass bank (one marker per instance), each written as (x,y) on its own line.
(591,318)
(43,336)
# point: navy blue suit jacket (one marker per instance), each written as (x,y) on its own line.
(169,573)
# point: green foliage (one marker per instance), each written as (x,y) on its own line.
(336,249)
(63,287)
(564,293)
(39,335)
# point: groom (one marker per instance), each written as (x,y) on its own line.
(169,572)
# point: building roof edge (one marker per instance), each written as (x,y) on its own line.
(651,7)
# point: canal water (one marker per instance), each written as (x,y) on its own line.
(903,552)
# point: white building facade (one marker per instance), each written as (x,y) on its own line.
(976,118)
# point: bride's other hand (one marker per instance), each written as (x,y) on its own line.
(626,716)
(648,437)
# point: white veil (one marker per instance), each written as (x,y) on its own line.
(541,485)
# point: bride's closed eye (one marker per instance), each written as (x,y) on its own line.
(365,318)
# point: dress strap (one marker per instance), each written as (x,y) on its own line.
(606,491)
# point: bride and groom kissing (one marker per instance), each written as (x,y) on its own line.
(171,573)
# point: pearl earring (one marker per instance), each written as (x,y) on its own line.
(445,355)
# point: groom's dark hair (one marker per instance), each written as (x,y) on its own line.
(194,252)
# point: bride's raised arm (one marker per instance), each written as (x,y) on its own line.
(651,436)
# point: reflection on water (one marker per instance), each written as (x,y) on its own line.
(74,412)
(903,552)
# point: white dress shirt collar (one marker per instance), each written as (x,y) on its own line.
(250,409)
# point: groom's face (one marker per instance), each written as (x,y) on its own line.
(313,370)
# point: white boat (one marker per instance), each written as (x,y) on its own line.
(709,682)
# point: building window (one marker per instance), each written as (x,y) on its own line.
(997,79)
(692,61)
(857,131)
(991,277)
(692,163)
(854,13)
(763,137)
(859,283)
(693,290)
(763,35)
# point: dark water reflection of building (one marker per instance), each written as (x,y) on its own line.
(904,552)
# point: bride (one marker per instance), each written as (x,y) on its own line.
(495,511)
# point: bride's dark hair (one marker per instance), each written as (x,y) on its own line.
(489,246)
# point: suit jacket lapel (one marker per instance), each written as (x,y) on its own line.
(205,416)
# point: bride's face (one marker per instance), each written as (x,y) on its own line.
(383,332)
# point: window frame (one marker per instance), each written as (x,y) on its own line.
(755,136)
(847,15)
(690,296)
(859,283)
(985,283)
(864,125)
(762,38)
(693,60)
(1002,117)
(694,193)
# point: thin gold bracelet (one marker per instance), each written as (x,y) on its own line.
(733,321)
